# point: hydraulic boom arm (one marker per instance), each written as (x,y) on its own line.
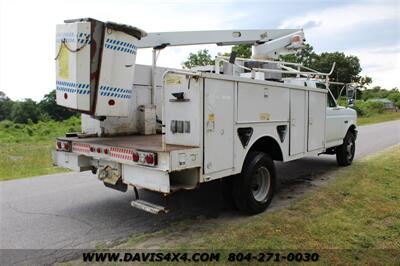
(266,42)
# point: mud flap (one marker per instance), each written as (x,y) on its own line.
(120,186)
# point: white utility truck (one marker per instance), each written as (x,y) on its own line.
(164,129)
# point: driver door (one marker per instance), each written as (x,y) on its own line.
(334,120)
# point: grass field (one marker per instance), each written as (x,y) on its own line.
(377,118)
(354,219)
(25,150)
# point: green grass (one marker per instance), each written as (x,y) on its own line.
(25,150)
(357,215)
(378,117)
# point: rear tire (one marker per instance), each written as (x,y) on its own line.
(345,152)
(253,188)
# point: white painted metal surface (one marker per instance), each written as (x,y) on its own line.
(116,74)
(279,46)
(184,114)
(262,103)
(218,125)
(147,119)
(298,121)
(187,158)
(72,161)
(149,178)
(335,123)
(316,120)
(221,37)
(141,94)
(73,68)
(79,82)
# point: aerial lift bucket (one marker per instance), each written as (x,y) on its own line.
(95,64)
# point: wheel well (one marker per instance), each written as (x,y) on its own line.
(353,130)
(268,145)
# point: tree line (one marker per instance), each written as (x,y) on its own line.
(28,110)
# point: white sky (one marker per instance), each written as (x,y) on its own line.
(367,29)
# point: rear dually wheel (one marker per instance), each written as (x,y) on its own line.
(253,188)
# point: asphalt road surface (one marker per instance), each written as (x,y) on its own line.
(76,211)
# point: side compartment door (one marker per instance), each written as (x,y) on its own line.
(218,125)
(298,120)
(316,120)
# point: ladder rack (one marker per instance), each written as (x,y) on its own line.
(287,66)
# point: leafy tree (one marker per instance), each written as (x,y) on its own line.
(3,96)
(49,108)
(346,70)
(23,111)
(371,93)
(378,92)
(201,58)
(5,106)
(365,81)
(306,56)
(397,104)
(242,50)
(394,95)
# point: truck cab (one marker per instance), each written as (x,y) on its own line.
(337,117)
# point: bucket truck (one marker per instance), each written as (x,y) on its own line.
(164,129)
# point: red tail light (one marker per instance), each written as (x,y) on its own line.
(149,158)
(135,157)
(98,150)
(67,146)
(144,158)
(105,151)
(63,145)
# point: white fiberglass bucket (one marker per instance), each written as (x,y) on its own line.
(95,64)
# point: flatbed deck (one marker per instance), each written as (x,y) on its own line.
(137,142)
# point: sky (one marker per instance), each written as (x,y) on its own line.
(367,29)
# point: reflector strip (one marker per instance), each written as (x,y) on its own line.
(115,92)
(120,46)
(80,147)
(121,153)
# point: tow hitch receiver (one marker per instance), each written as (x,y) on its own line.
(148,206)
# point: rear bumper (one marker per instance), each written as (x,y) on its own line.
(71,161)
(155,179)
(149,178)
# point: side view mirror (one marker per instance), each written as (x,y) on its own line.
(351,95)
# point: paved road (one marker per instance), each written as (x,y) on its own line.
(75,210)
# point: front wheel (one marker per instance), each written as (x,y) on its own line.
(253,188)
(345,152)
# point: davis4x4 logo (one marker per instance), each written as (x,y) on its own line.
(150,257)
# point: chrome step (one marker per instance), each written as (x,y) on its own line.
(148,207)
